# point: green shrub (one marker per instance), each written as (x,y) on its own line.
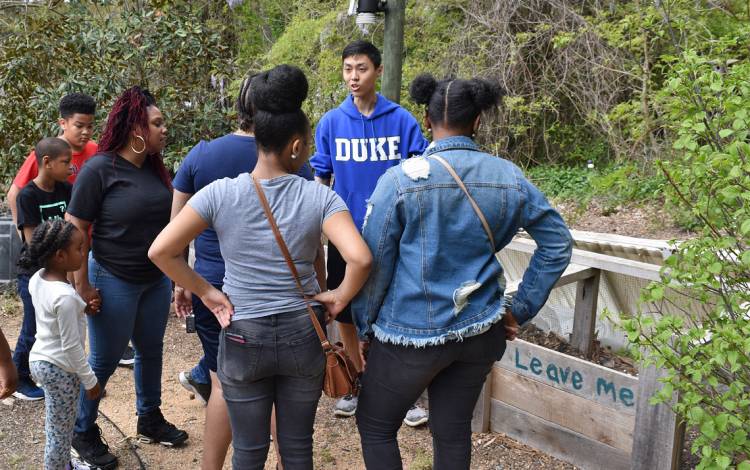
(700,331)
(613,185)
(100,48)
(563,183)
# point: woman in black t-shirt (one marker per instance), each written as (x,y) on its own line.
(125,193)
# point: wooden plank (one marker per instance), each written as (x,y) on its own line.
(582,378)
(658,435)
(600,423)
(480,419)
(595,260)
(573,273)
(584,315)
(555,440)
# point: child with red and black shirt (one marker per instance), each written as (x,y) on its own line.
(46,197)
(77,125)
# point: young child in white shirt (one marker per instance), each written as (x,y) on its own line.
(58,358)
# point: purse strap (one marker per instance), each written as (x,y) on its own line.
(285,251)
(474,204)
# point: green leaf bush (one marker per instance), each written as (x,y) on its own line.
(697,324)
(181,51)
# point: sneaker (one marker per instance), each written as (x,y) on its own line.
(27,390)
(128,357)
(346,406)
(416,416)
(76,464)
(152,427)
(90,450)
(202,391)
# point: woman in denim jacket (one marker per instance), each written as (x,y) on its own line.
(433,309)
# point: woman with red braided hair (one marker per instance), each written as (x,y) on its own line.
(125,193)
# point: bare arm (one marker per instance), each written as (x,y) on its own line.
(27,233)
(12,201)
(320,268)
(8,374)
(167,252)
(340,230)
(85,290)
(183,298)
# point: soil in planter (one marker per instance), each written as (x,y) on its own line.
(601,355)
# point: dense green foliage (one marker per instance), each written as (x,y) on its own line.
(704,342)
(181,51)
(613,185)
(654,94)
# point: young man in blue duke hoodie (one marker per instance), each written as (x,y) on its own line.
(356,143)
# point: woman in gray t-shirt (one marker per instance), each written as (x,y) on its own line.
(269,353)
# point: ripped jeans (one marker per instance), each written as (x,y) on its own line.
(453,374)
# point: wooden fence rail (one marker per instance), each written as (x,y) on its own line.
(578,411)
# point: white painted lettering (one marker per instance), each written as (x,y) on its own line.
(357,151)
(393,153)
(379,147)
(373,154)
(342,150)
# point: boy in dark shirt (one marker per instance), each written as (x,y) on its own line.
(43,198)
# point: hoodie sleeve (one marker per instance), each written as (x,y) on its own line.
(321,161)
(416,141)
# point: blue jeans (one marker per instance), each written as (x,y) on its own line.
(274,360)
(201,373)
(27,335)
(129,311)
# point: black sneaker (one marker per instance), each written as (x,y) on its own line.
(152,427)
(90,449)
(191,385)
(128,358)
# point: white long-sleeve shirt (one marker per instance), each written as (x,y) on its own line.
(60,327)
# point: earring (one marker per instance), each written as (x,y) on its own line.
(294,157)
(144,145)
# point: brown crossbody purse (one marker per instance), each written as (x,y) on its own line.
(340,374)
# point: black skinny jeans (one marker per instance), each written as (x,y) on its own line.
(265,361)
(452,373)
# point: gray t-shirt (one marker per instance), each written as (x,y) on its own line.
(257,278)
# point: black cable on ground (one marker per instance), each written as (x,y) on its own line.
(132,447)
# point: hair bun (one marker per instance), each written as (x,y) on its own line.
(486,93)
(279,90)
(422,88)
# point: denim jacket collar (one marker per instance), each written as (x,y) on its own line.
(458,142)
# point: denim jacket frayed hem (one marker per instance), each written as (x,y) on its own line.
(423,339)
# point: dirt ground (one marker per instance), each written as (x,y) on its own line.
(336,440)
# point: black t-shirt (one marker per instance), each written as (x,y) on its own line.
(34,206)
(128,206)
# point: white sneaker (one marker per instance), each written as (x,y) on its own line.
(346,406)
(416,416)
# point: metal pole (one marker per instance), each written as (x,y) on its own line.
(393,49)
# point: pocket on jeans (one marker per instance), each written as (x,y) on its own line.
(238,361)
(308,355)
